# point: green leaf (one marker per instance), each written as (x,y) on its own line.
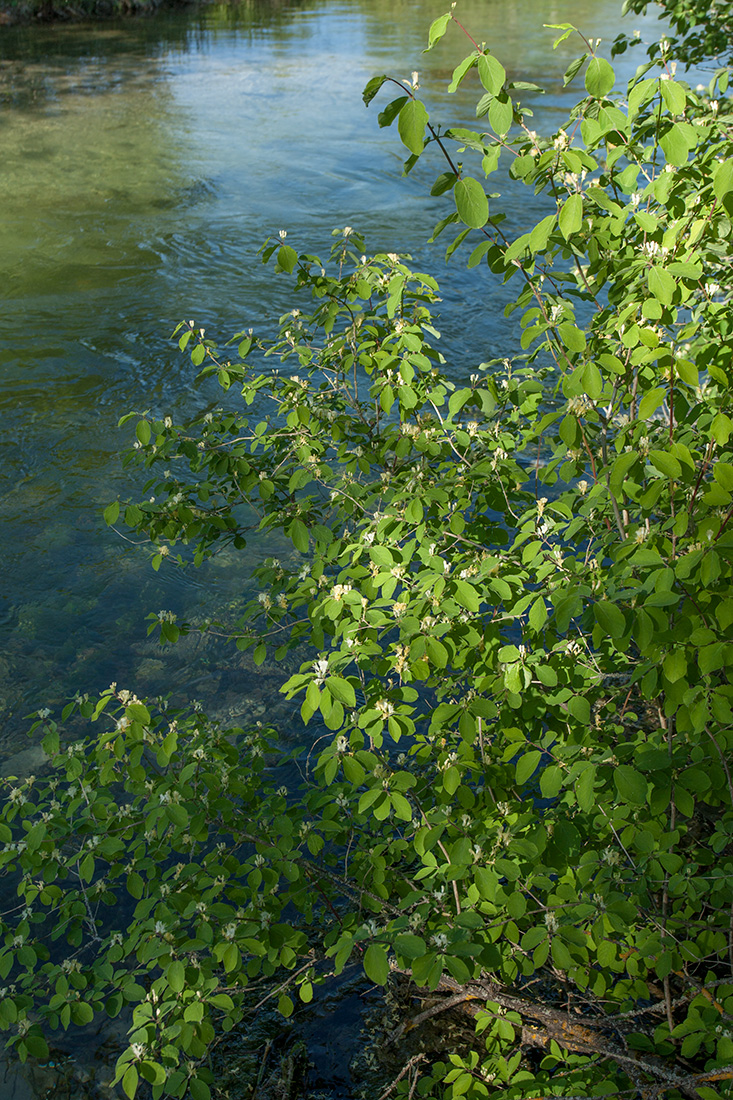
(527,765)
(129,1082)
(411,123)
(342,690)
(723,474)
(651,401)
(551,781)
(466,595)
(471,202)
(573,69)
(571,216)
(176,975)
(376,964)
(198,1089)
(675,665)
(437,29)
(572,337)
(610,618)
(444,182)
(501,114)
(460,71)
(492,73)
(674,145)
(566,28)
(111,512)
(299,535)
(540,235)
(721,428)
(723,179)
(661,284)
(585,788)
(372,88)
(412,947)
(401,806)
(287,258)
(143,432)
(674,96)
(666,463)
(599,78)
(152,1072)
(630,784)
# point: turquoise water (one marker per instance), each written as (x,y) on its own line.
(143,163)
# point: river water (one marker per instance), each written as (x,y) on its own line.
(143,163)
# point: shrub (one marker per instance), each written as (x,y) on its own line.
(512,602)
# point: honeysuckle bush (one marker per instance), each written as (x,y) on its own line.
(702,30)
(510,591)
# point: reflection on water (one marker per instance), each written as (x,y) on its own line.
(142,165)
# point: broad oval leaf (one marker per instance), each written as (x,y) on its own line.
(471,203)
(492,73)
(527,765)
(630,784)
(411,123)
(501,114)
(376,964)
(723,179)
(599,78)
(610,618)
(571,216)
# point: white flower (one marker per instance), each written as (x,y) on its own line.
(384,707)
(283,234)
(320,667)
(44,712)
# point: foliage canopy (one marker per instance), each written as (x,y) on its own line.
(512,601)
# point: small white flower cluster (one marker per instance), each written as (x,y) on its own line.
(164,617)
(578,406)
(652,249)
(320,667)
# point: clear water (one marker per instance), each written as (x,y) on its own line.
(142,164)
